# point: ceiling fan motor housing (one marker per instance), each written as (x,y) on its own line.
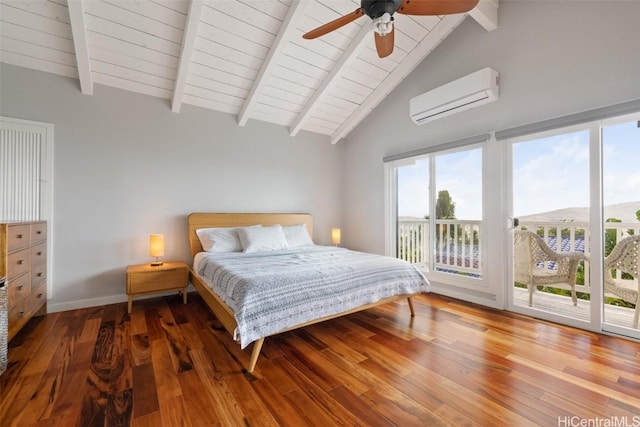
(376,8)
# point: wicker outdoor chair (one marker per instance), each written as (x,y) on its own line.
(625,257)
(531,264)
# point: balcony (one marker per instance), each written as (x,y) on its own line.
(457,249)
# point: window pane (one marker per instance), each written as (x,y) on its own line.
(621,200)
(413,209)
(458,212)
(551,200)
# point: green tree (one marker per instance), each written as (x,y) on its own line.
(610,237)
(445,207)
(638,214)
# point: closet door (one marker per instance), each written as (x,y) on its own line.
(25,165)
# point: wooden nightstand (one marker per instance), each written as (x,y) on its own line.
(147,279)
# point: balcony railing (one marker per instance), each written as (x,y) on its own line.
(574,236)
(457,247)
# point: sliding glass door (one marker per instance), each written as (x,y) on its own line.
(551,193)
(621,215)
(575,207)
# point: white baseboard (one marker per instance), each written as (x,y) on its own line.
(466,295)
(54,306)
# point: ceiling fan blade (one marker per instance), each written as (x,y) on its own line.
(384,44)
(436,7)
(334,25)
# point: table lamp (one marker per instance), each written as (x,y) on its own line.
(335,236)
(156,248)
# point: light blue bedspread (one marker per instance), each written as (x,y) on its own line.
(273,291)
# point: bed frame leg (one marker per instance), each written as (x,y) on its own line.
(413,312)
(257,346)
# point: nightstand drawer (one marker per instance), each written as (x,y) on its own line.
(152,281)
(147,279)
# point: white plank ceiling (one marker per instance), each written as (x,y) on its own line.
(242,57)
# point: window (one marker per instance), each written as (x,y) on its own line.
(436,213)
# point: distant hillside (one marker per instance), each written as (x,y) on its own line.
(626,212)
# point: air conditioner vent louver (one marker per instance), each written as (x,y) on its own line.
(467,92)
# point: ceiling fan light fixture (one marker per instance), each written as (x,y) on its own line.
(383,25)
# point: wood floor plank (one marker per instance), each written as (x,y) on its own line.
(173,412)
(145,392)
(225,404)
(164,371)
(198,404)
(454,364)
(119,408)
(140,349)
(179,349)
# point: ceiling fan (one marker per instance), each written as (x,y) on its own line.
(381,12)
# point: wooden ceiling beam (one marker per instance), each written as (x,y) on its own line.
(415,57)
(486,14)
(81,45)
(286,33)
(342,64)
(188,43)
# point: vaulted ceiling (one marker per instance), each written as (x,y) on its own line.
(242,57)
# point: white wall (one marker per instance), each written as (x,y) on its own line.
(125,166)
(554,58)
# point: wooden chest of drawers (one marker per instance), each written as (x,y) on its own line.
(23,260)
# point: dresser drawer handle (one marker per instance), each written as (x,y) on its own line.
(39,253)
(20,261)
(21,287)
(19,236)
(21,314)
(38,232)
(39,274)
(40,295)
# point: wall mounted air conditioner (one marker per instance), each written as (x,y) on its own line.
(467,92)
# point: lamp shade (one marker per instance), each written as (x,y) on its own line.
(335,236)
(156,245)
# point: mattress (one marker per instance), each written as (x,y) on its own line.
(273,291)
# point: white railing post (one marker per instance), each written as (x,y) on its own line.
(457,244)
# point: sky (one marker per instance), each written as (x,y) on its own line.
(549,173)
(459,173)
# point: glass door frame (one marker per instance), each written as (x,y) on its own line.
(596,321)
(595,227)
(609,327)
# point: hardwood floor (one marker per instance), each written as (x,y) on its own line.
(454,364)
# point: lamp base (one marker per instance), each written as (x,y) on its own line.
(156,263)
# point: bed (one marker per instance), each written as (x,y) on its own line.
(263,293)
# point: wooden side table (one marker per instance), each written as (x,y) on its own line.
(147,279)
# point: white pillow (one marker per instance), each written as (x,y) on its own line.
(297,235)
(262,239)
(221,239)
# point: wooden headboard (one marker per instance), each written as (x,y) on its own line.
(207,220)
